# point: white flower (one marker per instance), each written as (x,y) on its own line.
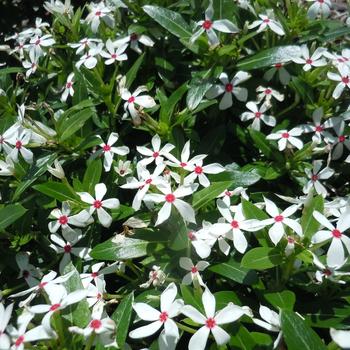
(234,226)
(272,322)
(156,153)
(227,194)
(98,272)
(340,141)
(169,308)
(5,315)
(229,88)
(315,175)
(315,60)
(208,26)
(211,321)
(335,253)
(30,273)
(7,168)
(283,75)
(32,64)
(123,168)
(286,137)
(20,140)
(97,12)
(56,171)
(146,179)
(59,300)
(37,43)
(134,103)
(265,22)
(89,59)
(279,220)
(84,44)
(267,93)
(319,7)
(171,198)
(193,275)
(114,54)
(68,88)
(134,39)
(258,114)
(109,151)
(98,204)
(343,78)
(199,171)
(329,272)
(59,7)
(6,137)
(203,240)
(156,277)
(341,337)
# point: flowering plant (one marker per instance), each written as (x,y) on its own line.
(175,175)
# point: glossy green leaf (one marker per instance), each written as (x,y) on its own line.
(297,334)
(132,73)
(57,190)
(242,339)
(308,223)
(262,258)
(269,57)
(92,175)
(9,214)
(283,300)
(196,93)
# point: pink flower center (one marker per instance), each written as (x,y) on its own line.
(341,138)
(258,115)
(314,177)
(198,169)
(18,144)
(210,323)
(114,55)
(194,269)
(106,148)
(63,220)
(327,272)
(234,224)
(170,198)
(121,172)
(278,65)
(191,236)
(163,316)
(182,164)
(67,248)
(1,140)
(285,135)
(290,240)
(94,274)
(25,273)
(154,275)
(99,296)
(228,193)
(279,218)
(148,181)
(318,128)
(207,24)
(155,154)
(345,80)
(97,204)
(321,1)
(98,13)
(69,85)
(95,324)
(336,233)
(266,20)
(133,37)
(309,61)
(268,91)
(19,340)
(228,87)
(42,285)
(54,307)
(33,65)
(38,42)
(131,99)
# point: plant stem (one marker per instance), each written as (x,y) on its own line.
(90,341)
(185,328)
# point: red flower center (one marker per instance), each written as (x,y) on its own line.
(268,91)
(94,274)
(285,135)
(336,233)
(114,55)
(170,198)
(33,65)
(97,204)
(42,285)
(279,218)
(327,272)
(290,240)
(345,80)
(266,20)
(182,164)
(207,24)
(210,323)
(154,275)
(191,236)
(314,177)
(234,224)
(121,172)
(155,154)
(19,340)
(258,114)
(229,87)
(318,128)
(95,324)
(131,99)
(1,140)
(38,42)
(309,61)
(98,13)
(278,65)
(69,85)
(54,307)
(63,220)
(18,144)
(133,37)
(99,295)
(163,316)
(341,138)
(321,1)
(148,181)
(194,269)
(67,248)
(228,193)
(198,169)
(106,148)
(25,273)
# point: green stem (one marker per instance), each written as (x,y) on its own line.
(185,328)
(60,329)
(293,105)
(90,341)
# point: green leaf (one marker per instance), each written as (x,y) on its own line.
(190,298)
(120,248)
(122,316)
(206,195)
(262,258)
(11,70)
(78,313)
(251,211)
(170,20)
(57,190)
(269,57)
(297,334)
(10,214)
(132,73)
(308,223)
(242,339)
(238,178)
(92,175)
(282,300)
(196,93)
(232,270)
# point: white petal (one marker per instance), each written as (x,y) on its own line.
(104,218)
(193,314)
(221,336)
(335,254)
(199,339)
(145,331)
(168,297)
(185,210)
(209,303)
(276,232)
(146,312)
(100,191)
(164,213)
(229,314)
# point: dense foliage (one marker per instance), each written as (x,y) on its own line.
(176,175)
